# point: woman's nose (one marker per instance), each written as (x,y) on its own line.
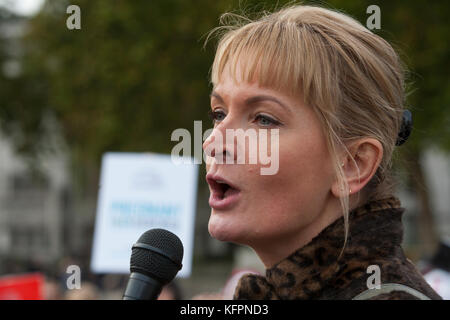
(216,146)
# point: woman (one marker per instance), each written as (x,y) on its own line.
(334,93)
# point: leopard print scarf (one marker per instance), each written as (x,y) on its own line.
(315,272)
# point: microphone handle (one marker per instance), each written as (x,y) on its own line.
(142,287)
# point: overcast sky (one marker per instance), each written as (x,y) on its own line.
(22,7)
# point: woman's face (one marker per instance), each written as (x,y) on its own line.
(266,210)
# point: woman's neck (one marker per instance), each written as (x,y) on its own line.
(272,251)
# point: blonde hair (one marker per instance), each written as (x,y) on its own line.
(352,78)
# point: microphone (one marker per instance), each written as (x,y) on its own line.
(155,260)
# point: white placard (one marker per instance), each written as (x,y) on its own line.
(138,192)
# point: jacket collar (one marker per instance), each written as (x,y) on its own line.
(309,270)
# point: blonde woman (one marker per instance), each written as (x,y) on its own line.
(328,219)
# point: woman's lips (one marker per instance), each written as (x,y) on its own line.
(224,195)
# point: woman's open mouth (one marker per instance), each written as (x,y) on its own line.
(224,195)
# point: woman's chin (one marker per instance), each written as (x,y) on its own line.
(222,231)
(217,232)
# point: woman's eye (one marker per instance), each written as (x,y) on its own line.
(266,121)
(216,116)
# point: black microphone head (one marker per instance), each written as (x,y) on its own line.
(158,254)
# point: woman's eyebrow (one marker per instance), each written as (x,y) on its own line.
(253,100)
(216,95)
(259,98)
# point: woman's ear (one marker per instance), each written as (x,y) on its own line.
(367,154)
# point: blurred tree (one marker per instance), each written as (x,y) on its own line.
(133,73)
(422,30)
(136,71)
(15,119)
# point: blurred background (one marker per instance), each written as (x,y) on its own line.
(136,71)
